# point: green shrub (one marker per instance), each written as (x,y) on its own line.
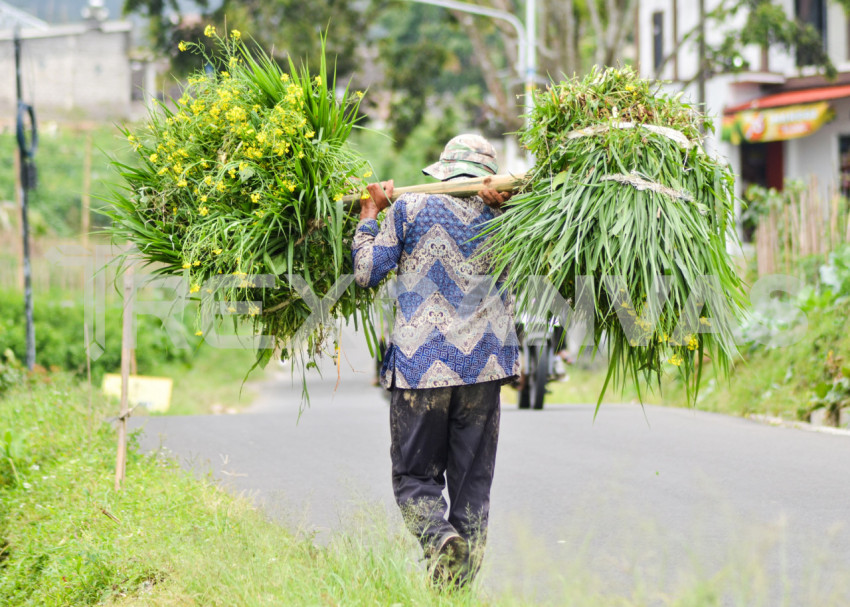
(60,343)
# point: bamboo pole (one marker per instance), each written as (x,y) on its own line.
(456,187)
(786,212)
(126,355)
(814,215)
(834,213)
(795,228)
(86,198)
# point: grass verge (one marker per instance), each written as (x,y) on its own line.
(68,538)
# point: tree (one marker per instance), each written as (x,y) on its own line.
(766,25)
(288,28)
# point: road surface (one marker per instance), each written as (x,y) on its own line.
(642,503)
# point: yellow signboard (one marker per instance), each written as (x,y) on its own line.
(776,124)
(152,393)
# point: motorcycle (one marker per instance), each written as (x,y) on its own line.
(541,361)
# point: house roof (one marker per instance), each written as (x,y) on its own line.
(11,17)
(811,95)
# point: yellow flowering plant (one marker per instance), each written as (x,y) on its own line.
(242,175)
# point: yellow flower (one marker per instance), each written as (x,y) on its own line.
(131,138)
(309,134)
(182,46)
(236,34)
(704,321)
(209,31)
(364,196)
(675,360)
(153,157)
(233,61)
(182,183)
(367,174)
(162,171)
(359,94)
(204,211)
(259,213)
(199,333)
(204,198)
(208,180)
(693,343)
(196,263)
(195,289)
(255,197)
(187,265)
(284,77)
(338,197)
(216,251)
(318,80)
(220,187)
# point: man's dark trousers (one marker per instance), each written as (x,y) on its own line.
(452,430)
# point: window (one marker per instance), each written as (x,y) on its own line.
(812,12)
(657,39)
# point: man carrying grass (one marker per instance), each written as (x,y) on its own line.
(452,347)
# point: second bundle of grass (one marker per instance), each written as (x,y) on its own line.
(628,218)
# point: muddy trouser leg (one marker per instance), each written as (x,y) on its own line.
(473,436)
(419,426)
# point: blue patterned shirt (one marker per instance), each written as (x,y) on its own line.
(452,325)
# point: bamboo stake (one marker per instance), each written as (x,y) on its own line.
(86,198)
(813,217)
(786,211)
(833,221)
(774,240)
(804,226)
(126,354)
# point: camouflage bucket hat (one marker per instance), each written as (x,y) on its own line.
(465,156)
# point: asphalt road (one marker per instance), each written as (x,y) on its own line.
(649,504)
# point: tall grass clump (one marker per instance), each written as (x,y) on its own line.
(244,175)
(622,192)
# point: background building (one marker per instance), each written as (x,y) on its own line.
(780,119)
(78,70)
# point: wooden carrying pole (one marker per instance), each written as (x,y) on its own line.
(126,356)
(461,188)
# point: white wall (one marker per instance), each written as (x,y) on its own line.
(70,68)
(817,154)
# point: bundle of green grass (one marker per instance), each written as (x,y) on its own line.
(624,195)
(244,175)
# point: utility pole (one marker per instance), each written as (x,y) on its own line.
(530,54)
(526,64)
(701,64)
(27,182)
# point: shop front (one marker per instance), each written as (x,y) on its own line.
(793,134)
